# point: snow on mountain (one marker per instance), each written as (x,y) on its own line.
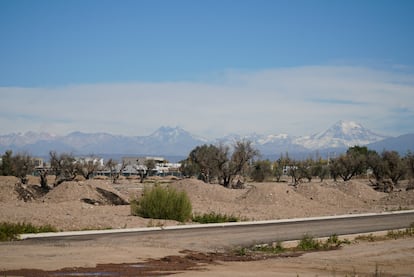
(169,141)
(273,138)
(341,134)
(170,134)
(21,139)
(82,140)
(178,142)
(266,144)
(256,139)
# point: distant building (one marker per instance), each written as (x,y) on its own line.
(94,160)
(135,165)
(142,160)
(38,163)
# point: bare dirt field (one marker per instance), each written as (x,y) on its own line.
(90,204)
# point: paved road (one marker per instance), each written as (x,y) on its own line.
(229,235)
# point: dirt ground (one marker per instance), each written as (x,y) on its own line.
(95,204)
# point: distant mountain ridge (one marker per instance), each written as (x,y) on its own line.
(175,141)
(341,134)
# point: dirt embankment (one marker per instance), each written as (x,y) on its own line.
(96,204)
(90,204)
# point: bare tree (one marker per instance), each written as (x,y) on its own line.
(243,153)
(294,171)
(115,171)
(43,172)
(22,165)
(277,170)
(145,169)
(63,166)
(87,167)
(395,166)
(377,165)
(210,161)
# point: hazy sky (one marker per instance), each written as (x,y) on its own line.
(210,67)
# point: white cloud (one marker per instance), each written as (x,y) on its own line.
(299,101)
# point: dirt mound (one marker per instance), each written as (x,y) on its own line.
(360,190)
(269,193)
(277,200)
(7,189)
(200,191)
(328,195)
(94,203)
(258,201)
(398,200)
(91,192)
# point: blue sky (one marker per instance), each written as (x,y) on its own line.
(211,67)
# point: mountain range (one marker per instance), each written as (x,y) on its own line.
(176,142)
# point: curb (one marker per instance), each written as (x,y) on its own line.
(199,226)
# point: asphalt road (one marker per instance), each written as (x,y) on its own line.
(230,235)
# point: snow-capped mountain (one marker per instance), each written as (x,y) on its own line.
(164,141)
(266,144)
(21,139)
(341,134)
(173,135)
(168,141)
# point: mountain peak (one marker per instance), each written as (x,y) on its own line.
(347,126)
(342,134)
(177,141)
(168,131)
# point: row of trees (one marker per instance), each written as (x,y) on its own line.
(222,164)
(388,168)
(64,166)
(213,163)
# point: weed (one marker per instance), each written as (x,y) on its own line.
(408,232)
(309,243)
(242,251)
(334,242)
(393,234)
(275,248)
(11,231)
(333,239)
(213,217)
(369,238)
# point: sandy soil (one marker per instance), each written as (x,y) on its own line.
(68,207)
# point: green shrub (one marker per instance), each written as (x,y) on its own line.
(241,251)
(163,203)
(334,242)
(309,243)
(11,231)
(213,217)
